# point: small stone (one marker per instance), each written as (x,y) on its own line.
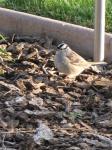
(20,99)
(76,104)
(43,132)
(64,121)
(84,146)
(109,104)
(73,148)
(78,111)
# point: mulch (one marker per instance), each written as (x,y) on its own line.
(78,112)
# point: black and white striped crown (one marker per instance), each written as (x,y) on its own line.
(62,46)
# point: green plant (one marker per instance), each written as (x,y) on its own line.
(2,37)
(74,115)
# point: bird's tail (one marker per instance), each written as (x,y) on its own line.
(98,63)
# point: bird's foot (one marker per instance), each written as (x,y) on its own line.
(70,78)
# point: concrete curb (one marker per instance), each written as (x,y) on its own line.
(79,38)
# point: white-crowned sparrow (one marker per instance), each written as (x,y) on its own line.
(69,62)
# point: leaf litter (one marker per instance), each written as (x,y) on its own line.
(40,109)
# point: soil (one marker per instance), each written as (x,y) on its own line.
(79,112)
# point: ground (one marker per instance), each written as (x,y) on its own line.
(79,112)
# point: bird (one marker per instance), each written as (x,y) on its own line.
(69,62)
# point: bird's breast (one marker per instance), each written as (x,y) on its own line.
(61,63)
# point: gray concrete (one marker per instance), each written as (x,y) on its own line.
(81,39)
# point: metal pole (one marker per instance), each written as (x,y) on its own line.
(99,37)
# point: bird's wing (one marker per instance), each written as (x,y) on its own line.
(74,58)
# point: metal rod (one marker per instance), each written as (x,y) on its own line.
(99,36)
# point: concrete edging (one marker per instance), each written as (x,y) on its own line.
(79,38)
